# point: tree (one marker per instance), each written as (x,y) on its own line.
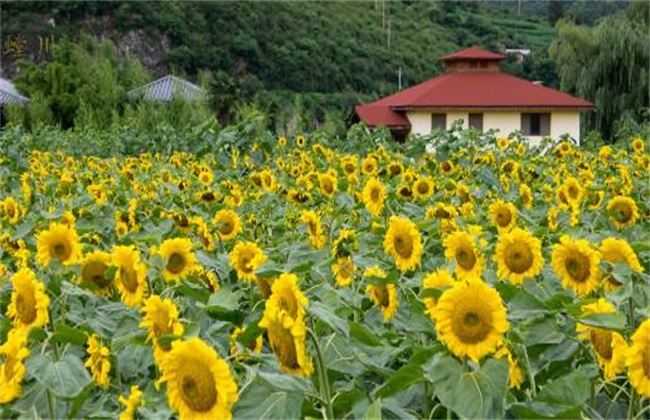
(607,65)
(224,96)
(555,11)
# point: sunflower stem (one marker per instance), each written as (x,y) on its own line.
(531,376)
(630,315)
(322,378)
(51,407)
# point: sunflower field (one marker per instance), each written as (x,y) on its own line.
(306,277)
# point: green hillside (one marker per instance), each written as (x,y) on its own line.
(333,54)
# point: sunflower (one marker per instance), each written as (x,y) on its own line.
(98,362)
(130,404)
(314,227)
(402,242)
(12,210)
(447,167)
(552,218)
(423,188)
(573,191)
(178,258)
(384,296)
(131,275)
(471,319)
(343,270)
(374,195)
(595,199)
(94,270)
(576,264)
(255,346)
(301,141)
(245,258)
(441,280)
(12,370)
(286,299)
(460,247)
(610,347)
(282,141)
(369,166)
(502,143)
(344,244)
(623,212)
(160,317)
(638,145)
(287,340)
(526,195)
(349,165)
(59,242)
(618,251)
(518,256)
(29,304)
(328,183)
(638,359)
(503,215)
(267,180)
(395,168)
(283,318)
(515,376)
(199,382)
(206,176)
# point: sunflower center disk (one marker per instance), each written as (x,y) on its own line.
(26,307)
(471,326)
(403,246)
(198,388)
(175,263)
(95,272)
(382,296)
(466,258)
(374,194)
(61,252)
(622,213)
(129,279)
(602,342)
(226,228)
(578,267)
(646,361)
(284,346)
(519,258)
(504,218)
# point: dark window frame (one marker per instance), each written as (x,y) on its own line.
(436,124)
(536,123)
(472,120)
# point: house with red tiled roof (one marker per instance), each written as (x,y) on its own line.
(473,89)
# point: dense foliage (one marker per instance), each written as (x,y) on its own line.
(314,277)
(331,55)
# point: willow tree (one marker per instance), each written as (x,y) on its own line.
(607,64)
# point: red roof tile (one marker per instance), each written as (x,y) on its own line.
(472,53)
(480,90)
(373,116)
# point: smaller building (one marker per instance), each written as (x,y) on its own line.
(9,95)
(167,88)
(474,90)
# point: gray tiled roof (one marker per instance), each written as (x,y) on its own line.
(9,94)
(164,89)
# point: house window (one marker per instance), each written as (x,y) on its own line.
(535,124)
(476,121)
(438,122)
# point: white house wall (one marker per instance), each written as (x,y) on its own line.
(562,122)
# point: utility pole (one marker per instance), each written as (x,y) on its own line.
(399,78)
